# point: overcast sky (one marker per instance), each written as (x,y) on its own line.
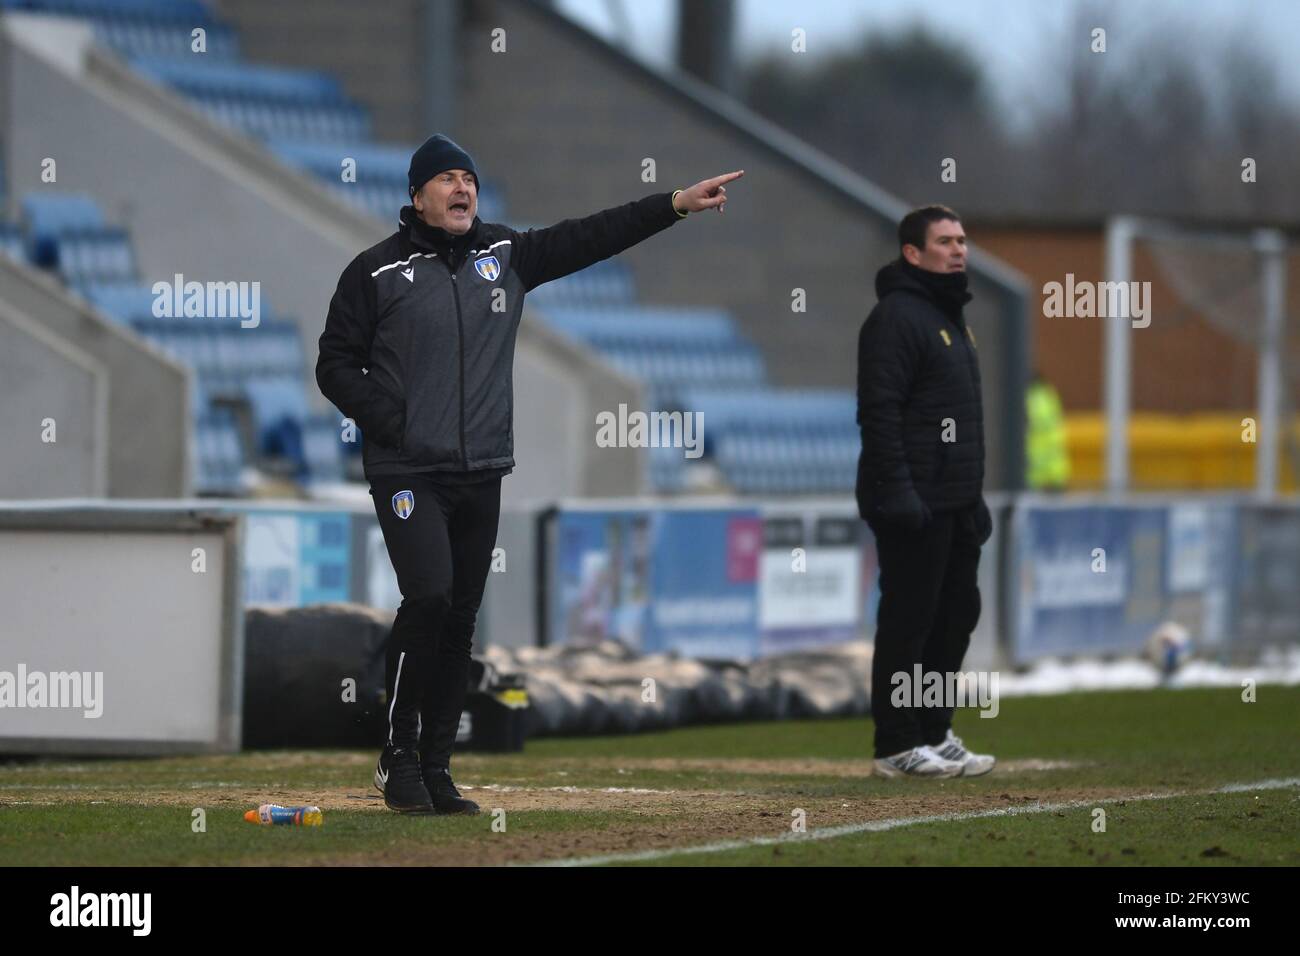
(1006,35)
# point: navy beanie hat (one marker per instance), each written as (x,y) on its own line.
(437,155)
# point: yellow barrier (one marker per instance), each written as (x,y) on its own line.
(1185,452)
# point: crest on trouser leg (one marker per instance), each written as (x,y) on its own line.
(403,504)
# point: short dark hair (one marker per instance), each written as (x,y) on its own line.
(916,224)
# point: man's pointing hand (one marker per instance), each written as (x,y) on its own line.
(708,194)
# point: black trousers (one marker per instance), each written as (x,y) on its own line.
(929,605)
(442,552)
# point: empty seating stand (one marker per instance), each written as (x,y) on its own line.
(153,11)
(66,233)
(51,216)
(604,284)
(262,101)
(260,367)
(764,440)
(124,301)
(303,116)
(770,441)
(132,37)
(217,453)
(12,243)
(323,448)
(95,255)
(377,178)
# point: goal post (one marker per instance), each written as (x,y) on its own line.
(1253,309)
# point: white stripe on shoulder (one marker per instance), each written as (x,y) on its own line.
(503,242)
(394,265)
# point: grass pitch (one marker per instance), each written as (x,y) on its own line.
(1150,759)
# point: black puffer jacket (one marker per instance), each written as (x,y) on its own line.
(917,367)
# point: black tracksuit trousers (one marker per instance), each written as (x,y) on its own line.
(442,552)
(929,605)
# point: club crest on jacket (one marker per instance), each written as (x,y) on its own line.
(403,504)
(488,267)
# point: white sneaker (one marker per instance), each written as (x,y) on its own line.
(918,762)
(972,765)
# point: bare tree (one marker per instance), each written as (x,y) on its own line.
(1157,123)
(893,108)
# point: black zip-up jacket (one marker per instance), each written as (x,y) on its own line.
(419,343)
(918,365)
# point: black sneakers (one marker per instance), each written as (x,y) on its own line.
(409,788)
(446,798)
(397,777)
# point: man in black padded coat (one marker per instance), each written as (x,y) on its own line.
(919,487)
(418,350)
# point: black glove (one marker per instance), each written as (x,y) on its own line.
(983,521)
(392,434)
(385,419)
(903,510)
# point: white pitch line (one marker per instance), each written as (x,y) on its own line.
(874,826)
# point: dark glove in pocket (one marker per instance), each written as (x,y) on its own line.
(904,510)
(983,521)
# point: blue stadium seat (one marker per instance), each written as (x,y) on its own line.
(381,180)
(279,408)
(243,81)
(780,440)
(603,284)
(222,347)
(49,214)
(268,119)
(273,348)
(374,161)
(217,453)
(123,301)
(12,243)
(150,11)
(94,255)
(185,11)
(645,326)
(323,448)
(267,102)
(764,407)
(149,38)
(667,469)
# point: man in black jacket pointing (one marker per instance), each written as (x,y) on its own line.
(920,483)
(418,350)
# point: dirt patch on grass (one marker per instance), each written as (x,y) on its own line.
(217,793)
(207,795)
(648,819)
(622,819)
(683,819)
